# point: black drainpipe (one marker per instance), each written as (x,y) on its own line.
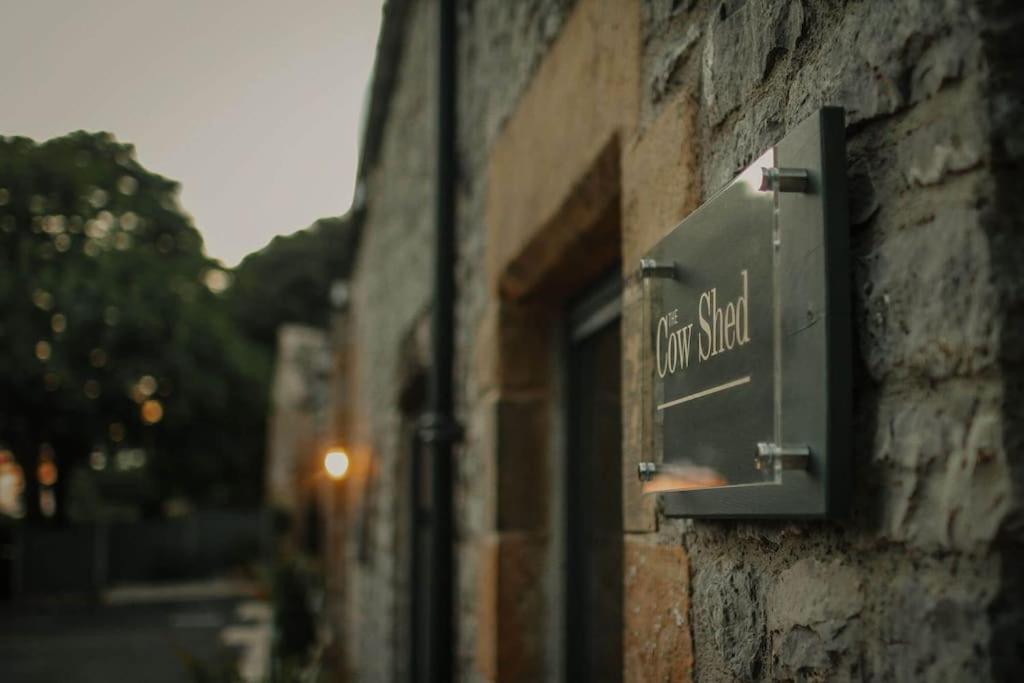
(440,430)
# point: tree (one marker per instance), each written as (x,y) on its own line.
(116,332)
(289,280)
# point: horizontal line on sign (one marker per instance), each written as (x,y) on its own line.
(705,392)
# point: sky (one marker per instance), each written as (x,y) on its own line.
(254,106)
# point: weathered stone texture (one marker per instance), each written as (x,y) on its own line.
(903,589)
(942,462)
(727,605)
(661,155)
(510,600)
(389,298)
(812,614)
(938,318)
(656,629)
(563,124)
(668,100)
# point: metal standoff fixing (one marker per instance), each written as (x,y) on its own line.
(773,456)
(645,471)
(785,179)
(651,268)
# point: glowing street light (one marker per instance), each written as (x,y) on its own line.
(336,464)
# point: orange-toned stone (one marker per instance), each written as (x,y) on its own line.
(510,602)
(511,349)
(656,614)
(660,178)
(582,100)
(659,188)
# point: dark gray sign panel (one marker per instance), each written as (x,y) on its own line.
(747,328)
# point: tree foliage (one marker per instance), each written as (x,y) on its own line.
(289,280)
(116,331)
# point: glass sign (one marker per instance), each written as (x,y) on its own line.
(746,349)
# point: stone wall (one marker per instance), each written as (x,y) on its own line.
(390,294)
(905,588)
(567,109)
(297,422)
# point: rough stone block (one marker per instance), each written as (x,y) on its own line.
(510,605)
(944,469)
(930,304)
(812,614)
(933,626)
(728,610)
(741,49)
(656,614)
(885,56)
(660,183)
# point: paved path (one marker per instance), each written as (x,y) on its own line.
(140,633)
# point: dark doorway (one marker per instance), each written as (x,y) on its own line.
(594,489)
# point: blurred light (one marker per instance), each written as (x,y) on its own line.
(46,471)
(59,322)
(12,483)
(53,225)
(122,241)
(47,502)
(92,389)
(216,280)
(147,385)
(130,459)
(116,431)
(98,198)
(43,350)
(62,243)
(97,358)
(152,411)
(98,460)
(106,221)
(111,316)
(339,294)
(52,381)
(42,299)
(91,249)
(129,221)
(336,464)
(127,185)
(177,507)
(95,229)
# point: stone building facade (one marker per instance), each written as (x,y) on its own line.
(587,130)
(299,416)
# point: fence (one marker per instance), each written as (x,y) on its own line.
(86,558)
